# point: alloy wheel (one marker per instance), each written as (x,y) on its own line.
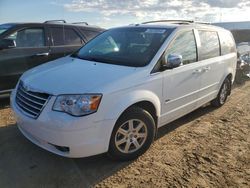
(224,93)
(131,135)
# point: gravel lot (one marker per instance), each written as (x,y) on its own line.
(207,148)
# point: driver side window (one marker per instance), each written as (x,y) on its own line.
(185,45)
(31,37)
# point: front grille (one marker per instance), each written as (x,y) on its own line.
(30,102)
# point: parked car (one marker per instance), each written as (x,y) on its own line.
(26,45)
(114,93)
(243,67)
(243,62)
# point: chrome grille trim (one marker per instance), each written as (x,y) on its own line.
(23,101)
(22,89)
(31,103)
(29,99)
(27,111)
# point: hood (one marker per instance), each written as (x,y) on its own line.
(74,76)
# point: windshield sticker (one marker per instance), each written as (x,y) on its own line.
(160,31)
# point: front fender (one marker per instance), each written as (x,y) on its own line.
(121,101)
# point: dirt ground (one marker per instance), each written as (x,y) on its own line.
(207,148)
(212,150)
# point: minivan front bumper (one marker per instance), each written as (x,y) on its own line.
(63,134)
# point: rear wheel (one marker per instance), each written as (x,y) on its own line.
(132,135)
(223,93)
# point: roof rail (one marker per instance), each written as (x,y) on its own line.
(209,23)
(52,21)
(86,23)
(175,21)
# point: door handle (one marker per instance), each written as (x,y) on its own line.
(197,71)
(206,69)
(42,54)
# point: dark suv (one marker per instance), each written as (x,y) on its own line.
(26,45)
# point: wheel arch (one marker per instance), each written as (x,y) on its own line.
(228,75)
(145,105)
(144,99)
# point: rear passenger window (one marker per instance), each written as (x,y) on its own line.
(89,34)
(72,38)
(65,36)
(57,36)
(227,43)
(210,46)
(184,45)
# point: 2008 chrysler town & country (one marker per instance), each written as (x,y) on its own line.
(113,93)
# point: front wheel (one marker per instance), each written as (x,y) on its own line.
(223,93)
(132,135)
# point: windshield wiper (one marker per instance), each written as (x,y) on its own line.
(95,59)
(89,59)
(75,55)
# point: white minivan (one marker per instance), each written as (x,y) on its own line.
(116,91)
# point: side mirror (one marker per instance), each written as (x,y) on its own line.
(172,61)
(7,43)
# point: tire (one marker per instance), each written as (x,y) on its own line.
(239,77)
(132,135)
(224,92)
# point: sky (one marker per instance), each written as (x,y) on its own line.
(111,13)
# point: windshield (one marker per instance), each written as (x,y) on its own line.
(133,47)
(4,27)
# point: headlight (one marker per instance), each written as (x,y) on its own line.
(77,105)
